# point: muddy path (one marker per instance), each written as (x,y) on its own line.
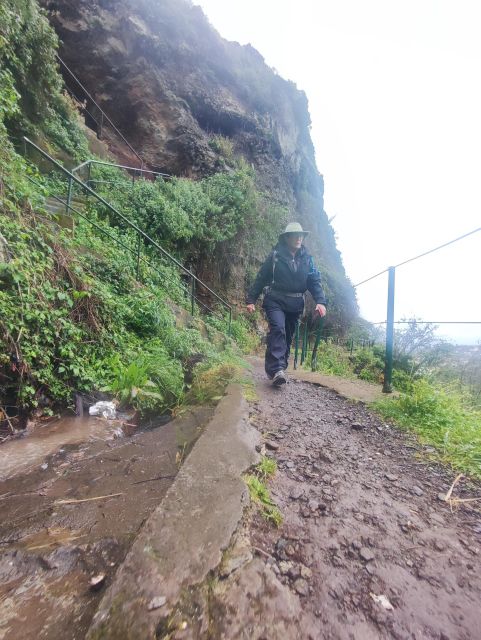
(54,538)
(367,550)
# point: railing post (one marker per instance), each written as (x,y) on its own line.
(138,257)
(69,195)
(230,322)
(304,343)
(89,173)
(316,344)
(387,386)
(296,350)
(192,293)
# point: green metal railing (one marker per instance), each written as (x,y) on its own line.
(195,282)
(305,333)
(135,171)
(305,342)
(391,271)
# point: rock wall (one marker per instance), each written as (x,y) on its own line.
(171,83)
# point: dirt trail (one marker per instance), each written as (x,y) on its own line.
(363,518)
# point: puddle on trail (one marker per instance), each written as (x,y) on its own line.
(29,451)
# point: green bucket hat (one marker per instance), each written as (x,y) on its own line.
(294,227)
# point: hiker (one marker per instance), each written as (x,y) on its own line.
(286,275)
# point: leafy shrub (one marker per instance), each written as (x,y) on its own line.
(241,330)
(25,37)
(152,382)
(332,359)
(367,365)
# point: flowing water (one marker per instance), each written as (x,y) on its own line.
(29,451)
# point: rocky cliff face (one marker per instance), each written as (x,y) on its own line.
(171,84)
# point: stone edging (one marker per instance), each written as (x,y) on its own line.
(185,536)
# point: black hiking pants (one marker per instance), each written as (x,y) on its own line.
(282,315)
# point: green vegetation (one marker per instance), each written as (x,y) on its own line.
(441,417)
(75,318)
(225,148)
(31,97)
(267,467)
(259,492)
(435,401)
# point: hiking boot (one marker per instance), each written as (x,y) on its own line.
(279,378)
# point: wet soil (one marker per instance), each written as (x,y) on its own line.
(54,538)
(368,549)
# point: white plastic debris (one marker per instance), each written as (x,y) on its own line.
(103,408)
(383,601)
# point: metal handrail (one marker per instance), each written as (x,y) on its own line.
(119,166)
(125,246)
(73,179)
(104,115)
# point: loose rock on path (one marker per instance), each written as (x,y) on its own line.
(367,549)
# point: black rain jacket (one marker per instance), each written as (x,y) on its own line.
(292,274)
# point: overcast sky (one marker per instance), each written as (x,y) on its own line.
(395,99)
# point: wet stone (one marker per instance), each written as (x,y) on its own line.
(272,446)
(284,567)
(296,494)
(306,573)
(391,477)
(366,554)
(295,572)
(357,426)
(156,603)
(301,587)
(326,457)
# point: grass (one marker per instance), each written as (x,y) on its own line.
(441,417)
(267,467)
(259,492)
(210,383)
